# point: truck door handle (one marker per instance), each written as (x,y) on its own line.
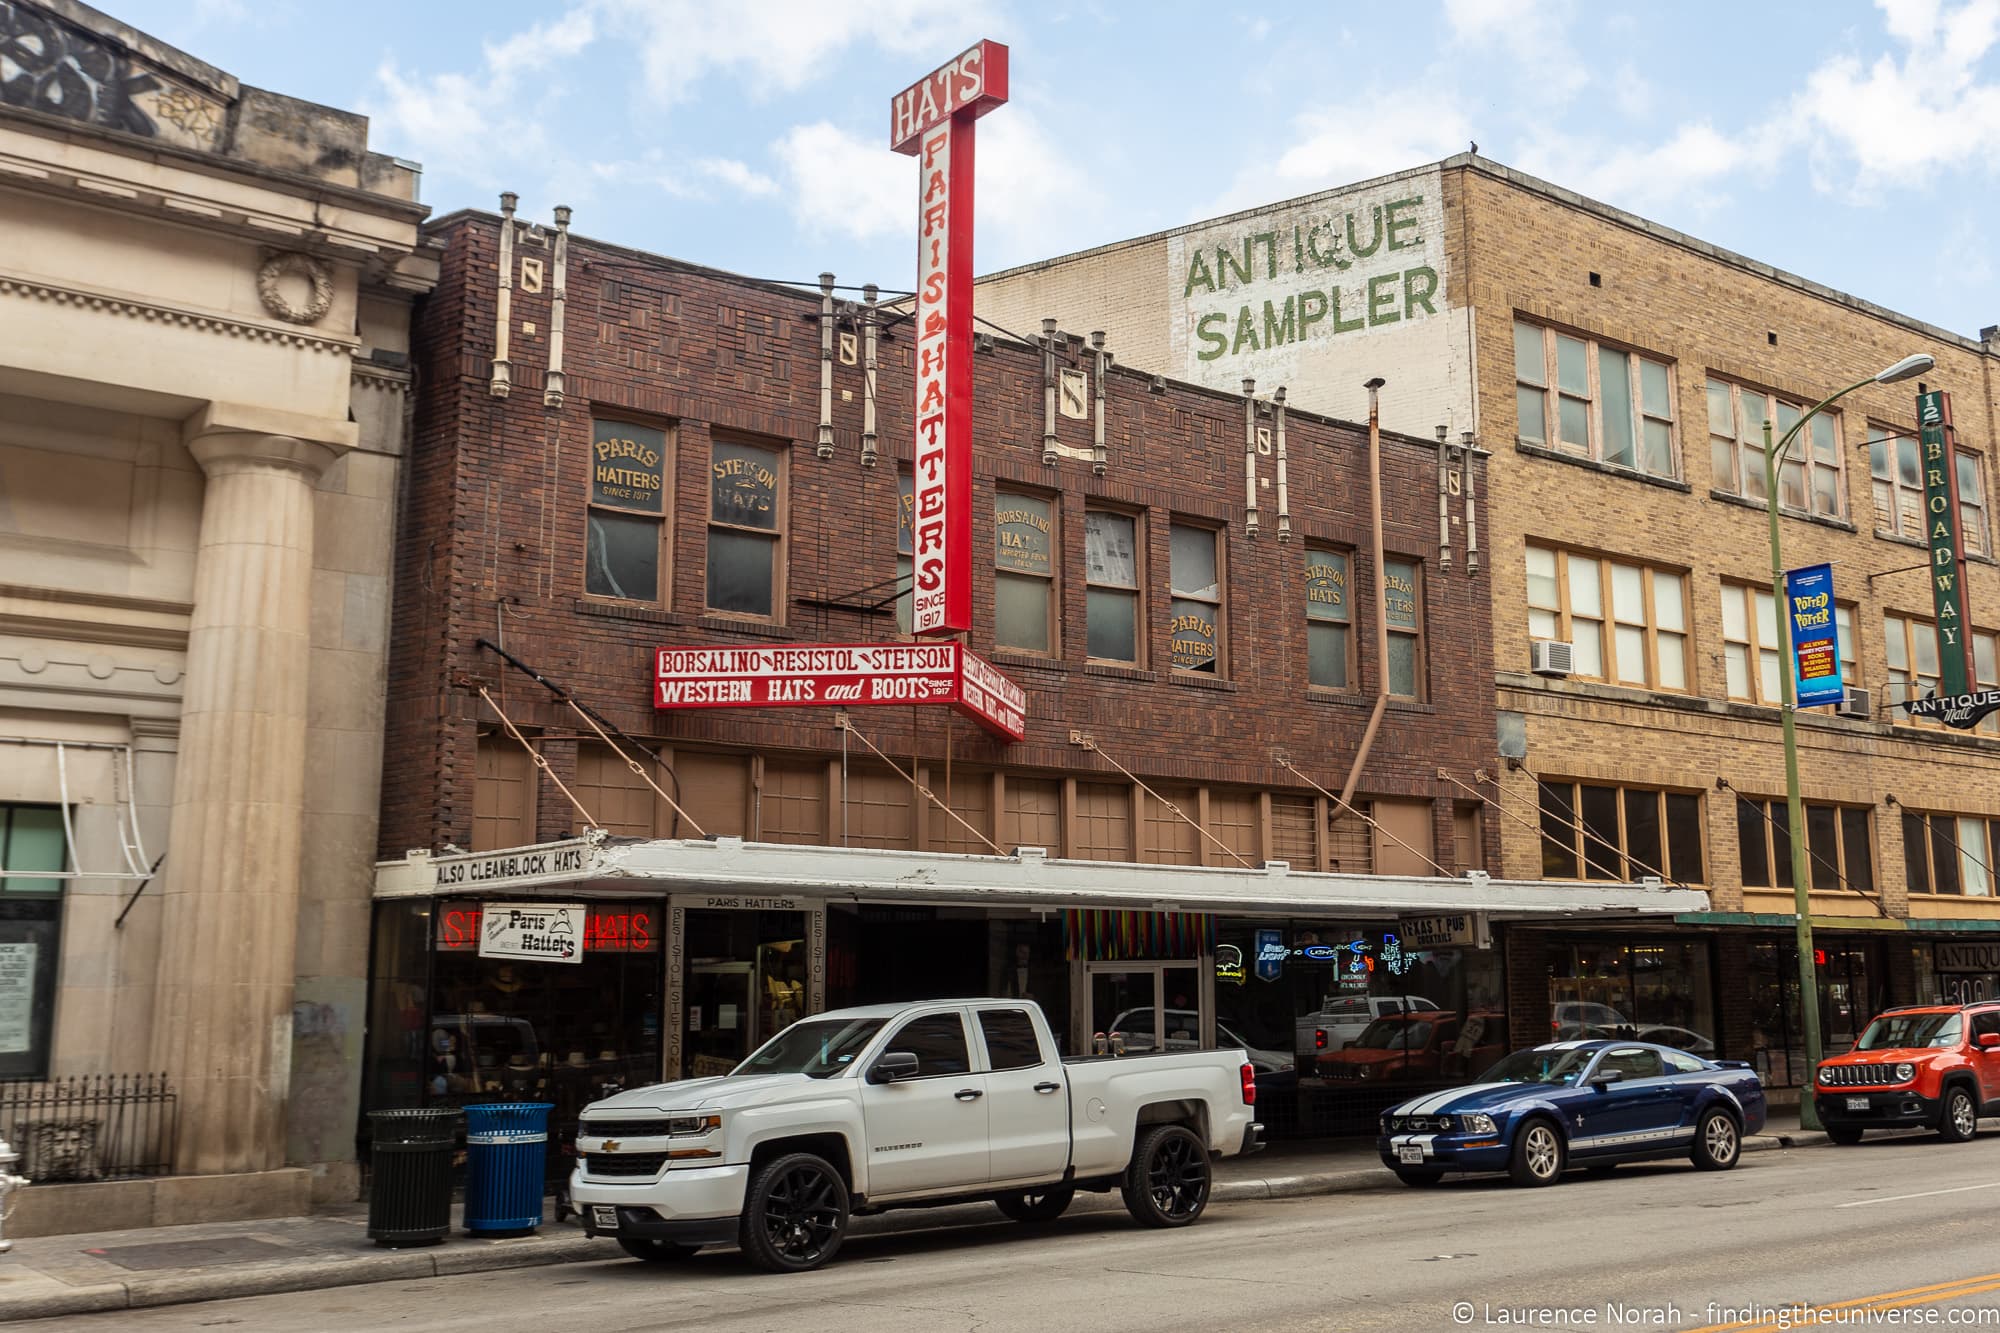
(1048,1087)
(968,1094)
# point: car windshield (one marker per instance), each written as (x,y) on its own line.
(818,1049)
(1900,1031)
(1541,1065)
(1394,1034)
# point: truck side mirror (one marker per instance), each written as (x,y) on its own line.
(892,1066)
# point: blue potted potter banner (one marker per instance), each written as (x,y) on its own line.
(1271,954)
(1815,635)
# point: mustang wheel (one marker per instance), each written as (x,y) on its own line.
(1717,1144)
(1538,1155)
(1167,1183)
(654,1251)
(795,1215)
(1035,1205)
(1411,1176)
(1847,1135)
(1960,1120)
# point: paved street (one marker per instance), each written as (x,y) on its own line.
(1888,1224)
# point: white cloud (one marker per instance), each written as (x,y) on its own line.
(839,184)
(1534,34)
(737,176)
(1371,137)
(1689,168)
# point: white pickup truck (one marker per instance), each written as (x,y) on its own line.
(860,1110)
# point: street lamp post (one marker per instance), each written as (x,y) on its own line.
(1774,455)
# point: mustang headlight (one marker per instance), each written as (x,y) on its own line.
(687,1126)
(1905,1072)
(1479,1123)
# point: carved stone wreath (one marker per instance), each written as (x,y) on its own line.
(293,264)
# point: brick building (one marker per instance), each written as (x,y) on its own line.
(616,452)
(1619,373)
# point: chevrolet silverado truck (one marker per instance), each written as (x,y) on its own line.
(861,1110)
(1923,1066)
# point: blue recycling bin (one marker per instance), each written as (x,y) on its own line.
(506,1152)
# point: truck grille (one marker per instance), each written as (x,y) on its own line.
(624,1129)
(1857,1076)
(624,1163)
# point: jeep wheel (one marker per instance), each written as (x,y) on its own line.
(1538,1155)
(1034,1205)
(1717,1144)
(795,1214)
(1845,1135)
(1960,1118)
(654,1251)
(1167,1183)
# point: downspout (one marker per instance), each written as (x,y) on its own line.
(1374,387)
(825,448)
(552,394)
(1284,496)
(870,445)
(503,306)
(1249,457)
(1048,393)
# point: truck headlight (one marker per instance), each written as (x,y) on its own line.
(1478,1123)
(684,1126)
(1826,1075)
(1905,1072)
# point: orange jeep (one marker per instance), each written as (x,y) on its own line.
(1933,1065)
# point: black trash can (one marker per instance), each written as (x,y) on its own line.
(409,1196)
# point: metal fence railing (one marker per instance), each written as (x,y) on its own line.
(91,1126)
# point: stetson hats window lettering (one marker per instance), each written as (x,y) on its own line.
(626,522)
(1329,620)
(745,529)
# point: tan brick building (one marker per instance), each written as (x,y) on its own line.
(1619,372)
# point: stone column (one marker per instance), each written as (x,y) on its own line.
(222,1023)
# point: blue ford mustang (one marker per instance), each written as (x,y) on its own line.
(1577,1103)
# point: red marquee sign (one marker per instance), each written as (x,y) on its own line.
(846,675)
(607,928)
(932,120)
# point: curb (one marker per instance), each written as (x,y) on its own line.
(1805,1138)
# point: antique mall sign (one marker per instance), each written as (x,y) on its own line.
(845,675)
(932,120)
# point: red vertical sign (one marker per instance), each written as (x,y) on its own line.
(933,121)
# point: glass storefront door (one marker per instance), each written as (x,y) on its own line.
(746,979)
(1144,1006)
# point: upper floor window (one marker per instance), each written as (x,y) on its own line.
(1911,647)
(1949,853)
(1754,644)
(906,508)
(1024,597)
(1621,834)
(1111,594)
(1195,582)
(1403,603)
(1329,621)
(1839,848)
(626,521)
(1810,479)
(1627,622)
(746,526)
(1595,401)
(1896,476)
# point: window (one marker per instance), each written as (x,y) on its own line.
(906,508)
(1896,476)
(1111,577)
(1754,645)
(938,1042)
(1329,621)
(1403,603)
(32,839)
(627,511)
(1622,834)
(1024,601)
(745,530)
(1809,479)
(1010,1039)
(1915,671)
(1195,604)
(1629,1063)
(1949,853)
(1627,622)
(1611,405)
(1839,847)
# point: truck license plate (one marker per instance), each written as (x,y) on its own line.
(1412,1153)
(1857,1103)
(604,1216)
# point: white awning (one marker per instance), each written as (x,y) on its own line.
(1028,879)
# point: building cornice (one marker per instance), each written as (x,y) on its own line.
(212,323)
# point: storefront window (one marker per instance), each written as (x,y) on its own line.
(1651,990)
(399,1047)
(1851,991)
(747,974)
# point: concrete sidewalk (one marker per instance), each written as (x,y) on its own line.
(119,1270)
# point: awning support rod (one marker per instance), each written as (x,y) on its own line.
(541,760)
(633,764)
(1371,822)
(847,728)
(1079,739)
(127,909)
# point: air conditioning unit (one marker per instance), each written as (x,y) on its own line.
(1551,657)
(1857,703)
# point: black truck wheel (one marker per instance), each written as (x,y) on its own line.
(794,1215)
(1167,1183)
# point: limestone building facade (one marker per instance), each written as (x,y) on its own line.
(204,309)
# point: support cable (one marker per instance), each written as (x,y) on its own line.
(1933,829)
(635,766)
(541,760)
(849,728)
(1079,739)
(1369,820)
(1763,808)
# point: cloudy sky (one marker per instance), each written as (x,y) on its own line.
(1854,143)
